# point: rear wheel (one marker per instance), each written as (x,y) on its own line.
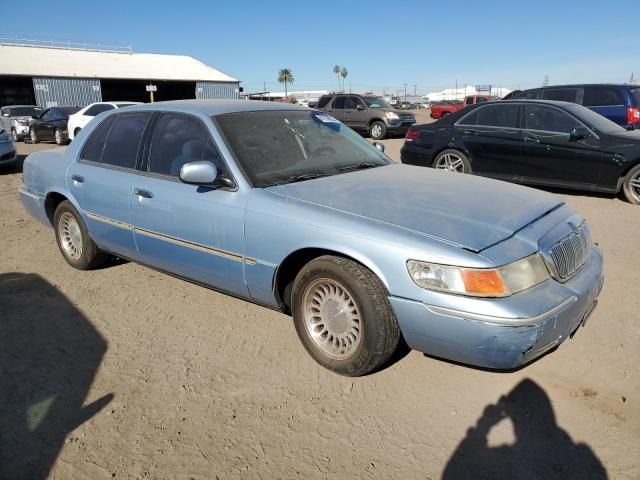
(453,161)
(631,185)
(33,135)
(343,316)
(59,137)
(378,130)
(74,241)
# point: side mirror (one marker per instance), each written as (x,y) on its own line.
(379,146)
(199,173)
(578,133)
(35,117)
(360,107)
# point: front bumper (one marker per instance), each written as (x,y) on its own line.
(8,153)
(21,131)
(498,342)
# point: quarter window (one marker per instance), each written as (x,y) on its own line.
(601,96)
(548,119)
(93,149)
(561,94)
(180,139)
(121,147)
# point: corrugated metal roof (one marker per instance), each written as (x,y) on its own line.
(59,62)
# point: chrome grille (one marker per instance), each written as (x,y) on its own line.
(571,253)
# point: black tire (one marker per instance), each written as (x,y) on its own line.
(466,164)
(91,256)
(378,326)
(378,130)
(59,137)
(33,135)
(632,193)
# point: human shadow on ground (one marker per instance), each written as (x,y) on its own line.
(542,450)
(49,355)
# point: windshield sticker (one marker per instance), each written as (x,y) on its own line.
(324,118)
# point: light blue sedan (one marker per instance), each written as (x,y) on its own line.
(288,208)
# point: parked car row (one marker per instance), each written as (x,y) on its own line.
(465,268)
(537,142)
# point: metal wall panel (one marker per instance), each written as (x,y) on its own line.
(52,91)
(213,90)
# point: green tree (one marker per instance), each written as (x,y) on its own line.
(343,73)
(336,70)
(285,76)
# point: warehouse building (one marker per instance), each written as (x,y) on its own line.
(56,76)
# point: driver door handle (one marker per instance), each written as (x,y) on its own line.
(77,178)
(142,193)
(531,139)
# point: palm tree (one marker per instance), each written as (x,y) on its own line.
(336,70)
(285,76)
(343,73)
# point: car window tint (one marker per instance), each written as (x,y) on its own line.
(121,148)
(96,109)
(601,96)
(480,99)
(92,151)
(47,114)
(636,95)
(180,139)
(549,119)
(561,94)
(323,101)
(498,116)
(471,119)
(339,102)
(353,102)
(528,94)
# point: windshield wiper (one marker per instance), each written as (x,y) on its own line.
(358,166)
(299,178)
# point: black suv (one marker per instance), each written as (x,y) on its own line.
(620,103)
(367,114)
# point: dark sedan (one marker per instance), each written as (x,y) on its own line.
(556,144)
(51,125)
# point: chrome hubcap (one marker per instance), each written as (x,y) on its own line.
(634,186)
(32,133)
(450,162)
(14,134)
(332,318)
(58,136)
(376,131)
(70,236)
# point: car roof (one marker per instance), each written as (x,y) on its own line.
(580,85)
(557,103)
(216,107)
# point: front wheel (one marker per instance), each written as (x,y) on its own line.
(74,242)
(631,185)
(453,161)
(59,137)
(343,316)
(378,130)
(33,135)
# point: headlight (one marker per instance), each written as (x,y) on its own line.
(480,282)
(5,137)
(392,116)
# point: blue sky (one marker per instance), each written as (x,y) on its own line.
(383,44)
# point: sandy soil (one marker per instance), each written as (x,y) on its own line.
(128,373)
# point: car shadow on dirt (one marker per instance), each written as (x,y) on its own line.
(541,449)
(49,355)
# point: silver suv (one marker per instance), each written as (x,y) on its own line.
(16,119)
(368,114)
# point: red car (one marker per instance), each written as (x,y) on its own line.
(439,111)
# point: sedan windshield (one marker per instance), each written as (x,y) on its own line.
(275,147)
(595,120)
(376,102)
(25,111)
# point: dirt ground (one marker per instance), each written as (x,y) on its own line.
(124,372)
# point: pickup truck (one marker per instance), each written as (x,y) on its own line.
(439,111)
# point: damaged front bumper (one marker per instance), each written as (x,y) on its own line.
(508,340)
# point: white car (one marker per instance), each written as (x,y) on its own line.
(79,120)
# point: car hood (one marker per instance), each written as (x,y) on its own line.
(471,212)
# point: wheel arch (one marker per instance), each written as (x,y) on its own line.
(53,198)
(289,268)
(375,120)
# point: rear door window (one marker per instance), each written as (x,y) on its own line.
(561,94)
(339,103)
(498,116)
(636,95)
(602,96)
(123,142)
(549,119)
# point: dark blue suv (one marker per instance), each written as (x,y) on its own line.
(620,103)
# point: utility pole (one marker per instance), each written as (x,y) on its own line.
(415,88)
(456,89)
(405,91)
(546,81)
